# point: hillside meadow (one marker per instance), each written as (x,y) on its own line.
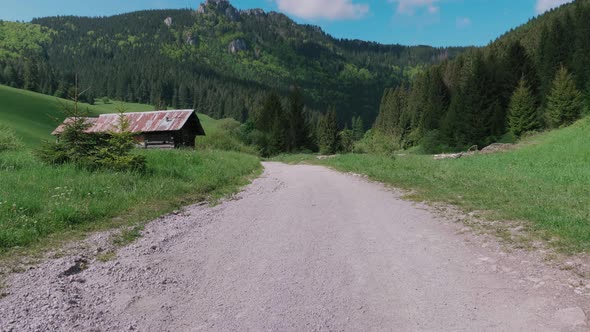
(41,204)
(34,116)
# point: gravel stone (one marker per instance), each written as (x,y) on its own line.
(362,259)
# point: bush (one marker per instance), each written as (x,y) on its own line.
(8,139)
(116,153)
(347,140)
(121,163)
(229,125)
(376,143)
(52,153)
(224,141)
(431,143)
(111,151)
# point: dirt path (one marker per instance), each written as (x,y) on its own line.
(304,248)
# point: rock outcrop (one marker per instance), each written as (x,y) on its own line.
(190,38)
(237,45)
(253,12)
(232,14)
(168,21)
(223,7)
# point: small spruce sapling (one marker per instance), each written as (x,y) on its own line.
(116,154)
(74,144)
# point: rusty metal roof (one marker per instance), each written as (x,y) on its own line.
(141,122)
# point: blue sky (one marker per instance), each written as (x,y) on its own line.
(411,22)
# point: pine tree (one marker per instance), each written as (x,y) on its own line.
(554,51)
(183,97)
(358,128)
(278,136)
(75,144)
(522,114)
(298,133)
(474,104)
(328,132)
(519,65)
(393,107)
(453,127)
(116,152)
(31,76)
(9,75)
(346,139)
(175,99)
(587,100)
(580,60)
(271,109)
(565,103)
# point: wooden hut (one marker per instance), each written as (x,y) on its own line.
(152,130)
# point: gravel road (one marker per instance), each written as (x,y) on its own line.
(303,248)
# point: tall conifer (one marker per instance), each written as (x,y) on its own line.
(522,114)
(565,103)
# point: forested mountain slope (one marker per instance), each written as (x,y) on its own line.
(217,59)
(531,78)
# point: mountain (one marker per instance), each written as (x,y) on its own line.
(218,59)
(467,100)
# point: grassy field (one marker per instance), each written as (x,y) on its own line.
(37,200)
(222,135)
(546,182)
(34,116)
(40,204)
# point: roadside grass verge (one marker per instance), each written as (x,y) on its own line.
(545,182)
(41,204)
(294,158)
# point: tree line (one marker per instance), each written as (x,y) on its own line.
(502,91)
(142,57)
(286,125)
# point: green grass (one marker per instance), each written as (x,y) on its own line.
(39,203)
(209,124)
(546,182)
(104,257)
(296,158)
(111,107)
(223,135)
(127,236)
(30,114)
(34,116)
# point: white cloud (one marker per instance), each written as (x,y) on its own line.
(545,5)
(323,9)
(463,22)
(409,7)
